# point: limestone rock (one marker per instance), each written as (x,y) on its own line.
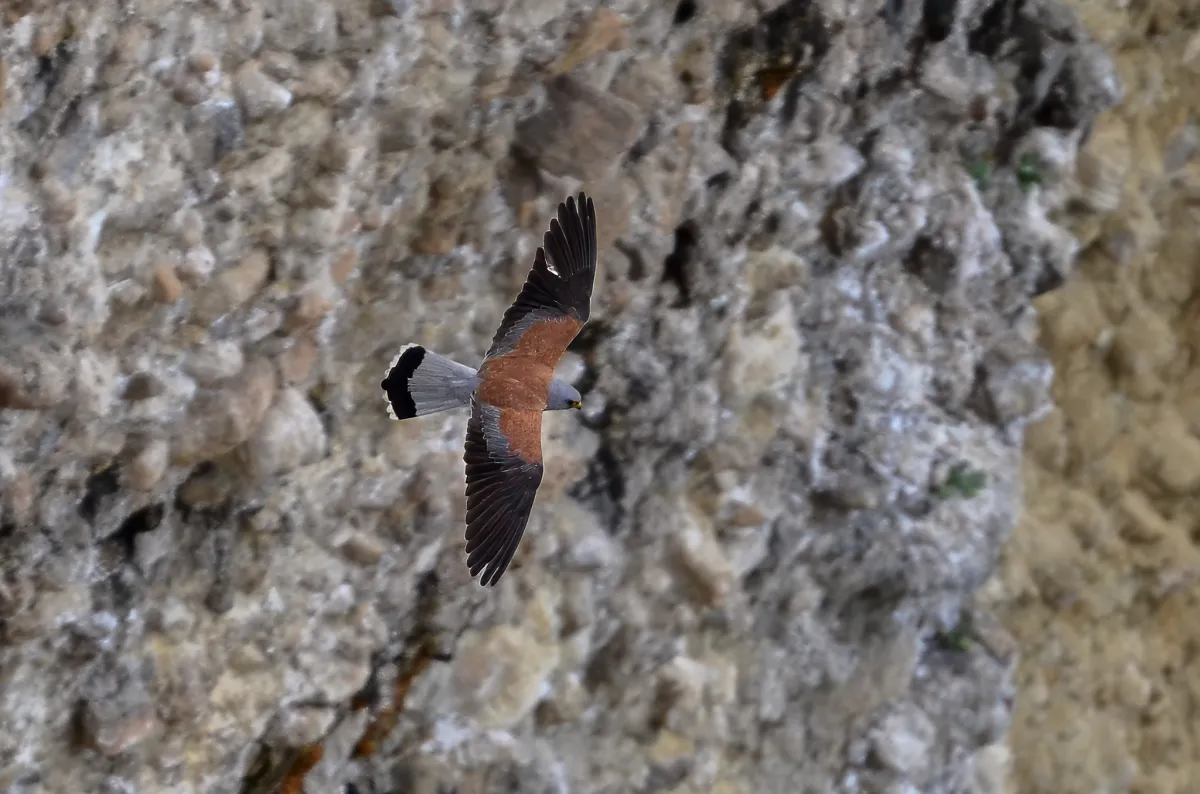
(581,132)
(259,95)
(1142,347)
(149,465)
(902,740)
(143,386)
(502,674)
(221,419)
(166,286)
(702,555)
(764,356)
(234,286)
(291,434)
(1120,493)
(604,31)
(222,562)
(214,361)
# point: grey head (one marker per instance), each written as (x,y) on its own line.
(562,396)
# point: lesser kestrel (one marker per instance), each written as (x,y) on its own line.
(514,384)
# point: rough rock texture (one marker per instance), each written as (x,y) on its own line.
(1100,582)
(811,358)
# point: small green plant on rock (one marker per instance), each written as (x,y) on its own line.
(979,169)
(962,481)
(961,637)
(1029,171)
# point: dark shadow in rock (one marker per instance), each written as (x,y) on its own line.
(145,520)
(99,486)
(783,48)
(933,265)
(994,26)
(520,180)
(588,339)
(937,19)
(719,182)
(603,669)
(893,14)
(646,143)
(53,114)
(637,262)
(603,487)
(684,12)
(677,266)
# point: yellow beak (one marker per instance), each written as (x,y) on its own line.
(576,404)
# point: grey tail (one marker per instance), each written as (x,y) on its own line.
(420,382)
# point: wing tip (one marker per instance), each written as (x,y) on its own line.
(585,205)
(581,211)
(492,546)
(488,568)
(574,221)
(587,222)
(488,577)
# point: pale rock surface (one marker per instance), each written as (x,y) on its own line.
(1099,584)
(290,436)
(809,362)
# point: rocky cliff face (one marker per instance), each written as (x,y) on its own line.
(752,560)
(1099,581)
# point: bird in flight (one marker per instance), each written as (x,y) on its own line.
(514,384)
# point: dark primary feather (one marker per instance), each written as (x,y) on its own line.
(500,492)
(570,246)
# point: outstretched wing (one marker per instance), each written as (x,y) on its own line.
(557,295)
(504,468)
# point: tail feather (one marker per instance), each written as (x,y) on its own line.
(420,382)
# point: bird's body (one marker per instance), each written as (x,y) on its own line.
(514,384)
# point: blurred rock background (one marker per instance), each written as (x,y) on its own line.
(756,560)
(1099,583)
